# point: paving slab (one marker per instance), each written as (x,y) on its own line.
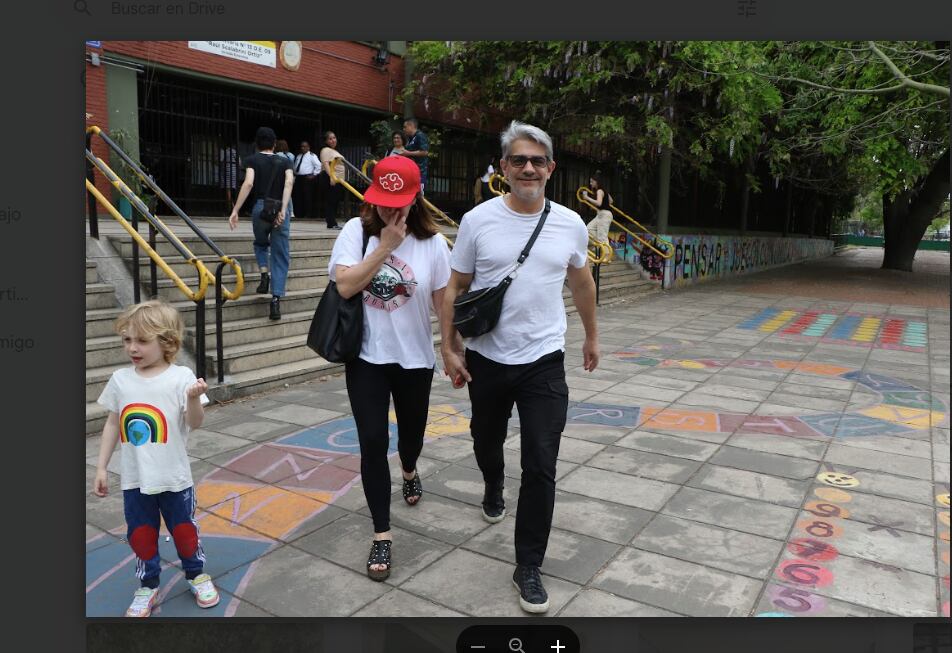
(793,601)
(747,515)
(618,488)
(397,603)
(570,556)
(481,586)
(752,485)
(644,464)
(861,458)
(765,463)
(607,521)
(784,445)
(670,445)
(596,603)
(677,585)
(712,546)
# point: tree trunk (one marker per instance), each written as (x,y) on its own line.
(906,217)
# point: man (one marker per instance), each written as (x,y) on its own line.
(272,239)
(306,168)
(521,360)
(417,147)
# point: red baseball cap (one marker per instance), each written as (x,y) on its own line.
(396,182)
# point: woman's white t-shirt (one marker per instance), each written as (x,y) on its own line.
(532,322)
(152,430)
(399,299)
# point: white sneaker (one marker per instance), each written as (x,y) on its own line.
(142,602)
(206,595)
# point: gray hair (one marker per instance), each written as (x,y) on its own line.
(523,131)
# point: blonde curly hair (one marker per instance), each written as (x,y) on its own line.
(154,319)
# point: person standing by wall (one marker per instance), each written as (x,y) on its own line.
(331,192)
(598,227)
(306,168)
(417,148)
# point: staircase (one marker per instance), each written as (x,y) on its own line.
(259,354)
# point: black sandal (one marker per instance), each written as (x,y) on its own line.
(380,554)
(412,488)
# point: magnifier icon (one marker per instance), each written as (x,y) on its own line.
(82,7)
(515,645)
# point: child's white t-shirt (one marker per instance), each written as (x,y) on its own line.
(152,428)
(532,322)
(399,299)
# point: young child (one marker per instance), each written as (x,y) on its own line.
(152,406)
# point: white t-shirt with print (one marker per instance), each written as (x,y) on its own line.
(532,322)
(152,429)
(399,299)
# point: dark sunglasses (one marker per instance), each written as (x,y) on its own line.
(520,161)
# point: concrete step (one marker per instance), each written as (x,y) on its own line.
(95,418)
(313,279)
(92,275)
(237,245)
(104,351)
(277,376)
(302,260)
(100,322)
(100,295)
(256,329)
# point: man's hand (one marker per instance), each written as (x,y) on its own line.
(590,354)
(280,219)
(454,366)
(197,389)
(100,486)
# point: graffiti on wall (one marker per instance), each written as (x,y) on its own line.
(699,258)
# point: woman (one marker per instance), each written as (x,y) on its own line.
(397,148)
(485,190)
(598,227)
(402,276)
(330,191)
(281,148)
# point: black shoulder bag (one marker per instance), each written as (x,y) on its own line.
(337,327)
(269,212)
(476,312)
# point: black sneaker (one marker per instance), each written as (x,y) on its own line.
(532,595)
(494,506)
(275,313)
(265,284)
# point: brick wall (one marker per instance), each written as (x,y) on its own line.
(335,70)
(97,114)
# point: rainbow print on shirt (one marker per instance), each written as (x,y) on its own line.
(141,423)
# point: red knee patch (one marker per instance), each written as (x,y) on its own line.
(186,539)
(144,541)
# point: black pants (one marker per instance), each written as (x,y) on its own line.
(330,199)
(369,388)
(303,194)
(540,394)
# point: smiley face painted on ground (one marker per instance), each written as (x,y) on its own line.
(837,479)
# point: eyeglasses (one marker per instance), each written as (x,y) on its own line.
(520,161)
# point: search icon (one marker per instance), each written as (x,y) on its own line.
(515,645)
(82,7)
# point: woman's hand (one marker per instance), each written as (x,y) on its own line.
(395,230)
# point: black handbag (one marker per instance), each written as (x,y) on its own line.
(337,328)
(477,312)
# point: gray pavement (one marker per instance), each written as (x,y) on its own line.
(721,461)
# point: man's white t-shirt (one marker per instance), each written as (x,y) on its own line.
(399,299)
(152,428)
(491,237)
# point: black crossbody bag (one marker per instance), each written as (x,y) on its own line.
(476,312)
(337,328)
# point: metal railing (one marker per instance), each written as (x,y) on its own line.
(156,226)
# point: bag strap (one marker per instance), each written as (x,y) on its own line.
(363,252)
(274,174)
(532,239)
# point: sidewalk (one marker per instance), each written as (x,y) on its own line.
(758,447)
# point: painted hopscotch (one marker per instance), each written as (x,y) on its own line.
(849,328)
(259,499)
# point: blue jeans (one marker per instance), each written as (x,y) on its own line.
(274,244)
(142,531)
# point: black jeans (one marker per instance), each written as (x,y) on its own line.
(369,388)
(330,197)
(303,192)
(540,394)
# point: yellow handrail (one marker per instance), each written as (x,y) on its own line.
(203,273)
(500,180)
(140,206)
(579,196)
(359,196)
